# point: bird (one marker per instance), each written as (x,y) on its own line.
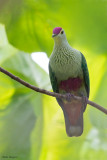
(69,75)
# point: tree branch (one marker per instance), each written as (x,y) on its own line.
(53,94)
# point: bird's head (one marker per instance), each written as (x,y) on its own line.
(58,34)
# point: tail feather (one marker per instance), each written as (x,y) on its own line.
(73,114)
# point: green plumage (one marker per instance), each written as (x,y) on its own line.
(68,73)
(84,67)
(85,74)
(53,80)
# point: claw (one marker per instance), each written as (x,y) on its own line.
(69,96)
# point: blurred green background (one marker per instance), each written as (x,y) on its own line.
(31,124)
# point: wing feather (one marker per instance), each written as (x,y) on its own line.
(53,80)
(85,74)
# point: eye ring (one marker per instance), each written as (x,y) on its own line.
(62,32)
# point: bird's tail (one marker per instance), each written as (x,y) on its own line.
(73,114)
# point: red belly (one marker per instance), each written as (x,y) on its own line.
(72,84)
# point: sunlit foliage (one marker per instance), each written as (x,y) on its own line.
(31,124)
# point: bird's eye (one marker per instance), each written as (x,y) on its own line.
(62,32)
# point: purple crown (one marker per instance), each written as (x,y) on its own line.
(57,30)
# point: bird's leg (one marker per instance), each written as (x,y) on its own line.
(69,96)
(84,101)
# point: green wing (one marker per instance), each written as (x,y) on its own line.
(54,84)
(86,75)
(53,80)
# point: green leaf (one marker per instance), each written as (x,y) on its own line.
(31,125)
(21,109)
(99,119)
(95,145)
(29,23)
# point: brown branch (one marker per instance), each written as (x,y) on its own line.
(53,94)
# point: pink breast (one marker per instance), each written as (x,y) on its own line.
(72,84)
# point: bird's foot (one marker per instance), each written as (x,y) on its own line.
(69,96)
(85,101)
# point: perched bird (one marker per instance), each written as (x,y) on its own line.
(69,75)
